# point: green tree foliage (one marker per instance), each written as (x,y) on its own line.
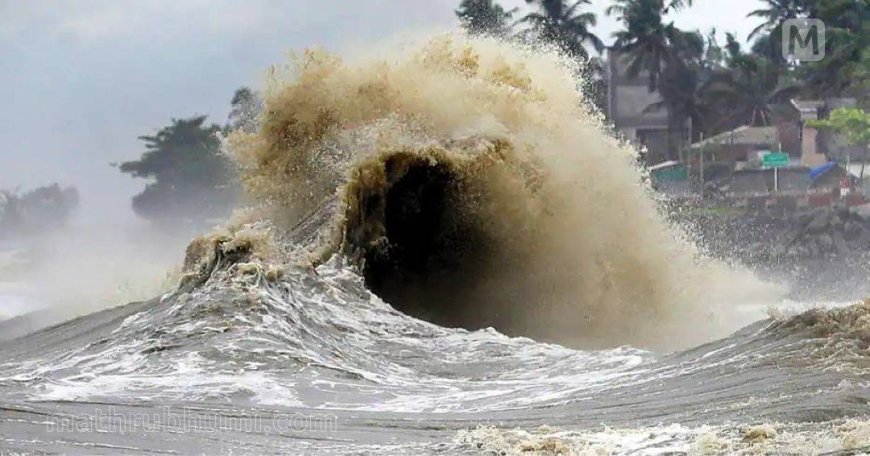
(564,25)
(568,27)
(861,86)
(723,87)
(650,43)
(748,89)
(714,87)
(852,123)
(685,83)
(189,179)
(774,13)
(674,60)
(845,70)
(485,17)
(37,211)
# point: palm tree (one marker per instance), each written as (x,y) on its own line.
(564,25)
(776,12)
(647,40)
(484,17)
(750,89)
(846,66)
(685,83)
(621,6)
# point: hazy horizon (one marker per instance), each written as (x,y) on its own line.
(87,78)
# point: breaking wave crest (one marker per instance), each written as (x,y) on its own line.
(469,182)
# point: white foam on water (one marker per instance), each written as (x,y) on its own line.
(764,438)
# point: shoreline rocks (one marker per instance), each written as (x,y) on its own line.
(822,253)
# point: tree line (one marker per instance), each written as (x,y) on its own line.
(715,86)
(37,211)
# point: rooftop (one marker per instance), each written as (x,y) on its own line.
(742,136)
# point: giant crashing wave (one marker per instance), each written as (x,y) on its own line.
(471,185)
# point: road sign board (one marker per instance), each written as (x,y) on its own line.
(775,160)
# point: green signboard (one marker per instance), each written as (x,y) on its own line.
(775,160)
(676,173)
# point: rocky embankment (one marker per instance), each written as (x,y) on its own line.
(828,232)
(821,252)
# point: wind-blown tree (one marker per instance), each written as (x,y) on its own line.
(190,179)
(747,93)
(767,36)
(684,85)
(485,17)
(769,47)
(650,44)
(646,39)
(845,69)
(774,14)
(564,25)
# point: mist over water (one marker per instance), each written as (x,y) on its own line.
(86,267)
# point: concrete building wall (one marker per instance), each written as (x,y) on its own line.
(628,103)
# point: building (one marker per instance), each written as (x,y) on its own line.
(628,106)
(739,145)
(810,153)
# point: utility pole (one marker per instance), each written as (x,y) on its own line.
(701,171)
(776,174)
(863,163)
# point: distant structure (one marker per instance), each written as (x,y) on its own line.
(741,145)
(810,153)
(817,173)
(628,102)
(790,134)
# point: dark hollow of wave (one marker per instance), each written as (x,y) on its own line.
(423,250)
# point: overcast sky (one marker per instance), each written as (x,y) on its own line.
(81,79)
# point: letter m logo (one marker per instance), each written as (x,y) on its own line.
(803,39)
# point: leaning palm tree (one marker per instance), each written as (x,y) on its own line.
(565,26)
(775,13)
(485,17)
(647,40)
